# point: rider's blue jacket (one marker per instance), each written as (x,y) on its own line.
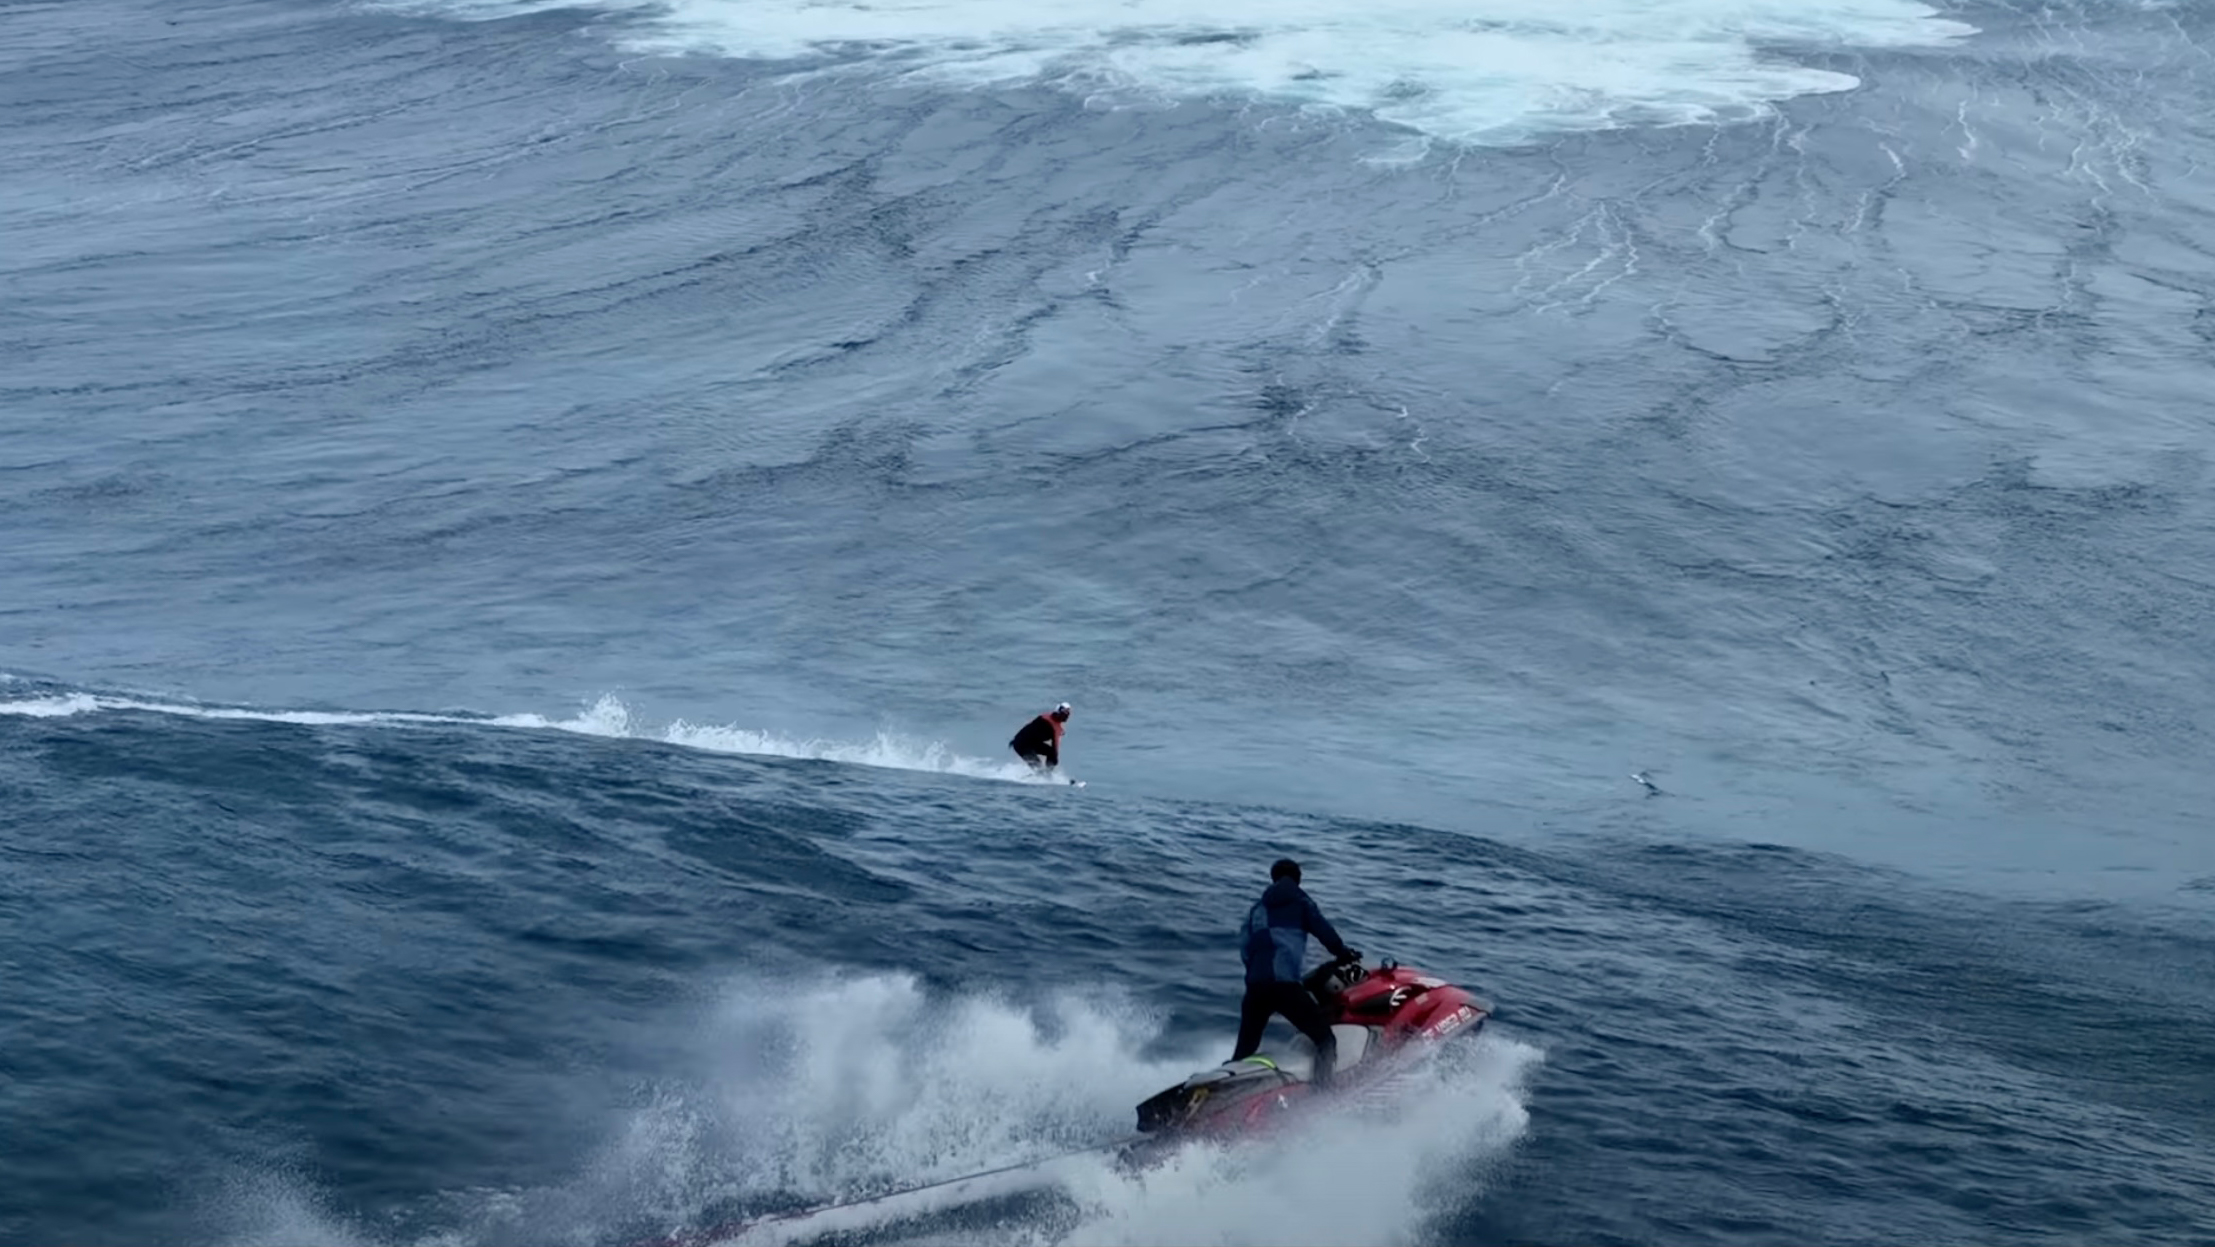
(1276,934)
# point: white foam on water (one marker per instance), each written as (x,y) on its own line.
(851,1088)
(1494,71)
(886,749)
(273,1207)
(51,707)
(608,716)
(63,705)
(1412,1158)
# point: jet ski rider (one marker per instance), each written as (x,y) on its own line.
(1275,946)
(1039,743)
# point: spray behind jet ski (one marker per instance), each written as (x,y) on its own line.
(1386,1021)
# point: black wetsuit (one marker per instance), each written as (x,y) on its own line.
(1037,744)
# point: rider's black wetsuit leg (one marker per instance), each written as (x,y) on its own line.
(1298,1007)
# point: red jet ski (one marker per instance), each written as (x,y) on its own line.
(1382,1019)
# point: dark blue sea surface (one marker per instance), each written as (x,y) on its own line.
(524,531)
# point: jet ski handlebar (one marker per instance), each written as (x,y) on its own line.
(1335,975)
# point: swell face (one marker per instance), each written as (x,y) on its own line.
(1845,460)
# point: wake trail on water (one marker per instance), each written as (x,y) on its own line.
(811,1095)
(795,1094)
(608,716)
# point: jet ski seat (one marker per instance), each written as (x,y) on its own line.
(1298,1058)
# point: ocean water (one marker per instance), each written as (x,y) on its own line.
(525,528)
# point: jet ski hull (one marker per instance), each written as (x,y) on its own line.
(1383,1020)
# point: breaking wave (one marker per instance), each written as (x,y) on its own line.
(1503,72)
